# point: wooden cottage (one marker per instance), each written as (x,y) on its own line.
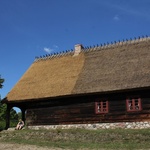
(102,84)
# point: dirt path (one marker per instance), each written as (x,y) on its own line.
(8,146)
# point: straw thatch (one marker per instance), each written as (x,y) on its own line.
(118,68)
(113,67)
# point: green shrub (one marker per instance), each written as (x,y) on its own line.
(13,123)
(2,125)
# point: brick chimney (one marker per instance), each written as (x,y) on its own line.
(77,49)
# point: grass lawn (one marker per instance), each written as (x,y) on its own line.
(113,139)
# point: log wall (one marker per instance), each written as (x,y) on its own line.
(81,110)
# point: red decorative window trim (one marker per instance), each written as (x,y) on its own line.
(101,106)
(133,104)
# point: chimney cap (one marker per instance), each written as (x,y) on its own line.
(78,48)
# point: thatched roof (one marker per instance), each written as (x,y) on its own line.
(119,66)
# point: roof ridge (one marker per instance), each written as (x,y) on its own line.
(116,43)
(54,55)
(95,47)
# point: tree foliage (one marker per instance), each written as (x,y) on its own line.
(13,116)
(3,108)
(1,82)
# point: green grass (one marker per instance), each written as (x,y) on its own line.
(81,138)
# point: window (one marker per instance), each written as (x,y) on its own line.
(134,104)
(101,107)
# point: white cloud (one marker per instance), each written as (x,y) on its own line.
(131,11)
(48,50)
(128,7)
(116,18)
(55,46)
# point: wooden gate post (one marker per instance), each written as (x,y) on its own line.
(23,114)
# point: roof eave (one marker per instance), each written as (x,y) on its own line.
(6,101)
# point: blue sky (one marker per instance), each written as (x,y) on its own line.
(30,28)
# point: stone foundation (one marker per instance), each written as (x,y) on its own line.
(121,125)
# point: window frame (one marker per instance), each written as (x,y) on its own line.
(132,102)
(102,105)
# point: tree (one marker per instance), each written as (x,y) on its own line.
(19,115)
(13,116)
(3,108)
(1,82)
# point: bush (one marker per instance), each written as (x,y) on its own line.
(2,125)
(13,123)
